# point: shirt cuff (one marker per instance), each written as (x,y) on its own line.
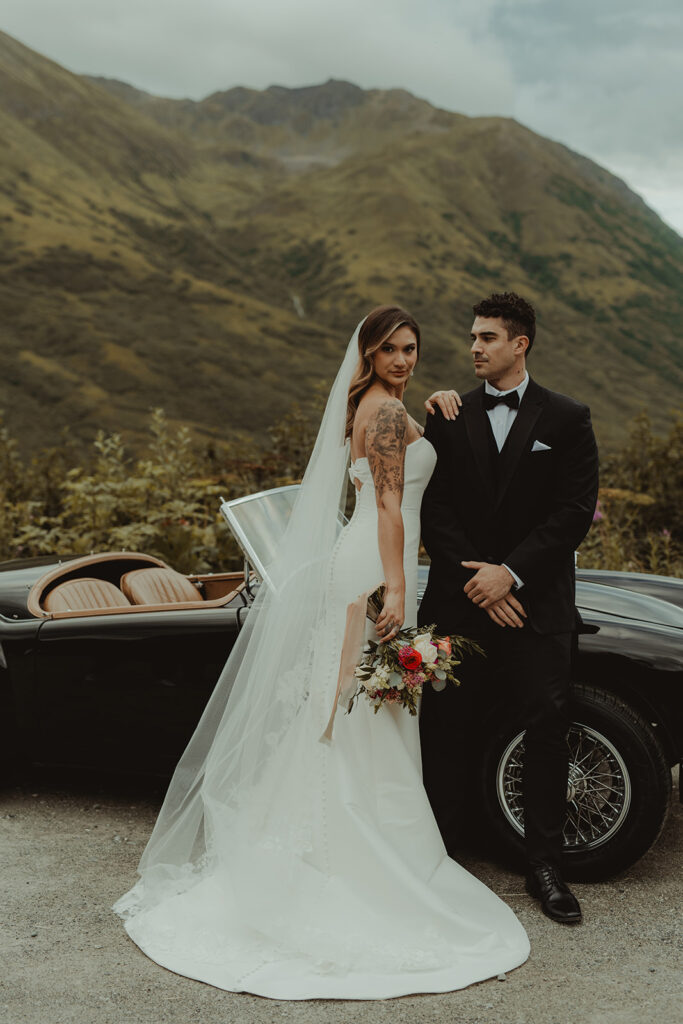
(518,583)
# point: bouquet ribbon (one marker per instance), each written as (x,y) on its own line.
(352,645)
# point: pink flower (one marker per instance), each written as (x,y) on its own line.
(409,657)
(414,679)
(445,645)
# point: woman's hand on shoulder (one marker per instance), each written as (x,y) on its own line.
(448,401)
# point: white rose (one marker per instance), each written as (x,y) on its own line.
(426,648)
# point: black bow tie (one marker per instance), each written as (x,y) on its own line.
(511,399)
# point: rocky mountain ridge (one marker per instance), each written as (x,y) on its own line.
(213,256)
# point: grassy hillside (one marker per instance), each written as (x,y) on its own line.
(213,257)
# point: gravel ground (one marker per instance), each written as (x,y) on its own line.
(69,849)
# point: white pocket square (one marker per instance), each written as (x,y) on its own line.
(538,446)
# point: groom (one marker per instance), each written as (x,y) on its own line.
(511,498)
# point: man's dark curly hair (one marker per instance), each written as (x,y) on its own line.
(517,314)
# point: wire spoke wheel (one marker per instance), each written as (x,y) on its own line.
(618,787)
(598,789)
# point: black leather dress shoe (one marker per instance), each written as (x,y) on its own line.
(557,902)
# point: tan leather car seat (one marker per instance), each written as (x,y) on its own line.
(84,595)
(158,586)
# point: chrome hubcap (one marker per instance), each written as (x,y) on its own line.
(598,788)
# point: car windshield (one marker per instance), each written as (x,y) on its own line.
(258,523)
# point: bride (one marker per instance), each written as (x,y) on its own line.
(291,867)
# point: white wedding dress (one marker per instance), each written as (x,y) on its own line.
(328,877)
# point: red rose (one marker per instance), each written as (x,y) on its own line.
(409,658)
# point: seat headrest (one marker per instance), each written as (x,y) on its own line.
(158,586)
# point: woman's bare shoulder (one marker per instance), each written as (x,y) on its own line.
(378,404)
(373,401)
(387,424)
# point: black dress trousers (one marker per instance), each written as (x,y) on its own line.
(527,675)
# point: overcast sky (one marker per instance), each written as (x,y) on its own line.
(608,81)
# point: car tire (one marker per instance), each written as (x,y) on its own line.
(619,786)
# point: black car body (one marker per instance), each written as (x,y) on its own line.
(121,687)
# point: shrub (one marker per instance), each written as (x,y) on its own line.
(165,502)
(160,503)
(638,524)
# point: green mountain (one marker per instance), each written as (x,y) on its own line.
(213,257)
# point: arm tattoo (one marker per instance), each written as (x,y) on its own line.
(385,444)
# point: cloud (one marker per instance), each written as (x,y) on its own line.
(606,80)
(612,85)
(176,48)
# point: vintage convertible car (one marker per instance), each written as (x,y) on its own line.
(107,661)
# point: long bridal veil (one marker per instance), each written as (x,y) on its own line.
(222,795)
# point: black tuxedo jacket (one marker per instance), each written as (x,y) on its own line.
(528,509)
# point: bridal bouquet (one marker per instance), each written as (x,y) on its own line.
(395,671)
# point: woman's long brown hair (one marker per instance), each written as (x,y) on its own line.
(377,328)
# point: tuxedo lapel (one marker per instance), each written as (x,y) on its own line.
(519,436)
(477,427)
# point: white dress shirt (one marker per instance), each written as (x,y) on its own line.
(501,418)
